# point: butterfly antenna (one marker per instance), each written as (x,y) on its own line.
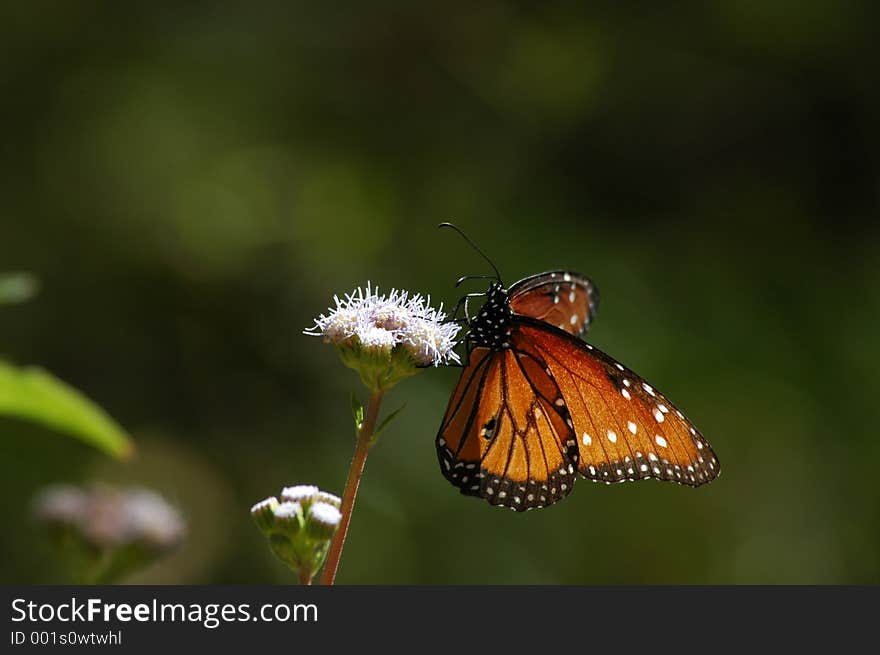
(475,247)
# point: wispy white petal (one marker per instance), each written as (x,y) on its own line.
(373,321)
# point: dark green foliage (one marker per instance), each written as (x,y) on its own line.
(191,186)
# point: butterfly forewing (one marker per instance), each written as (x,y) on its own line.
(626,429)
(461,414)
(564,299)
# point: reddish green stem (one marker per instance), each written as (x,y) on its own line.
(362,448)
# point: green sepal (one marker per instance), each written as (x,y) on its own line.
(379,369)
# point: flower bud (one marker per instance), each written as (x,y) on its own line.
(324,497)
(299,493)
(300,527)
(263,514)
(288,519)
(322,521)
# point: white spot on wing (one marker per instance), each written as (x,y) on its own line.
(612,436)
(660,441)
(587,439)
(632,426)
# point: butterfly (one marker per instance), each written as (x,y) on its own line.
(536,406)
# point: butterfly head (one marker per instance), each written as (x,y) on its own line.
(491,327)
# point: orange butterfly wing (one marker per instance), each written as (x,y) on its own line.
(625,429)
(504,437)
(535,404)
(565,299)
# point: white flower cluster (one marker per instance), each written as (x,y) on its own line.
(379,323)
(109,517)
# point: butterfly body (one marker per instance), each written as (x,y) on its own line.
(491,327)
(535,405)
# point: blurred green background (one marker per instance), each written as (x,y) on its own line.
(192,183)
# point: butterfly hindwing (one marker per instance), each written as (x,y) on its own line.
(626,429)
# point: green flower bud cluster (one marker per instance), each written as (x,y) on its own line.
(299,526)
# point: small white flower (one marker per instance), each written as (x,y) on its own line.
(343,326)
(429,340)
(152,518)
(377,339)
(380,323)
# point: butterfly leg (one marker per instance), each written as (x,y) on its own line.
(467,314)
(463,302)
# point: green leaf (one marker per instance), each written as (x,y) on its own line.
(357,410)
(17,287)
(36,395)
(384,424)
